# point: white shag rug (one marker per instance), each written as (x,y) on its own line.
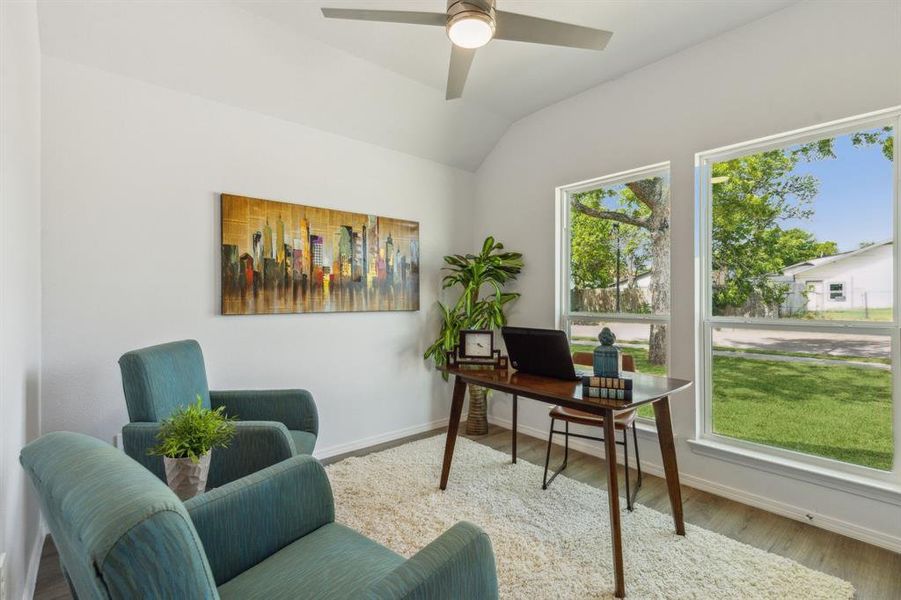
(554,543)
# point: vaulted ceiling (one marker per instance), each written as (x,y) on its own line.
(376,82)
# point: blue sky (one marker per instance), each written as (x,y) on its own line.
(854,203)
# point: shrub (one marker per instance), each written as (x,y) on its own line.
(192,431)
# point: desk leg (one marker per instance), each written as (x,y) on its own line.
(452,426)
(668,452)
(616,538)
(515,405)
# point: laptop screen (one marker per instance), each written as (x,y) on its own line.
(542,352)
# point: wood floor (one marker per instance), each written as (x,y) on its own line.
(874,572)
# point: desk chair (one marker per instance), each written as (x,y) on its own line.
(622,422)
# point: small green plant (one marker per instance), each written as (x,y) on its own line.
(192,431)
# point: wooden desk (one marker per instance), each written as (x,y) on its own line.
(647,389)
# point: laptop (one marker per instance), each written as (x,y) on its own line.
(542,352)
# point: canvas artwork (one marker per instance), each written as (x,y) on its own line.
(290,258)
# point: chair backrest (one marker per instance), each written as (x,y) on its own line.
(159,379)
(120,532)
(587,359)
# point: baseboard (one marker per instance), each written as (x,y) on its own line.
(34,561)
(381,438)
(851,530)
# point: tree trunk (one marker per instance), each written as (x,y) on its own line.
(657,345)
(660,274)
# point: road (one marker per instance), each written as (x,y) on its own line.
(810,342)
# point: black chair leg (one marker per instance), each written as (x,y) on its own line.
(515,407)
(630,497)
(637,459)
(547,458)
(626,470)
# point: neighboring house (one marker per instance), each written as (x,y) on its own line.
(857,279)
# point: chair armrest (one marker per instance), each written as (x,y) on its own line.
(248,520)
(457,564)
(137,440)
(256,445)
(295,408)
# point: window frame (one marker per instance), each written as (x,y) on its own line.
(707,322)
(563,315)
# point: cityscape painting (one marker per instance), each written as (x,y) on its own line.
(290,258)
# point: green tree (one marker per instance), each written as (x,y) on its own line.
(796,245)
(593,243)
(642,213)
(825,148)
(884,138)
(592,254)
(753,197)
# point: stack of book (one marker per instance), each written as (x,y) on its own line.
(610,388)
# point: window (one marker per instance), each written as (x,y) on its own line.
(613,264)
(799,324)
(837,292)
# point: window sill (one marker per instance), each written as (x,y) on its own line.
(882,491)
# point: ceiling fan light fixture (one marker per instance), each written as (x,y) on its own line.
(471,24)
(470,29)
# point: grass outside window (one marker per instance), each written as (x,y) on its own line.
(856,314)
(833,411)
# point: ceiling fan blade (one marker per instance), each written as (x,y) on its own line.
(460,61)
(386,16)
(522,28)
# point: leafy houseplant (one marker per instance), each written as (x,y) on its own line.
(488,272)
(186,441)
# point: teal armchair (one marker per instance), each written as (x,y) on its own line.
(273,424)
(121,533)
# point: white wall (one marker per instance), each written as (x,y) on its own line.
(867,277)
(810,63)
(20,284)
(132,174)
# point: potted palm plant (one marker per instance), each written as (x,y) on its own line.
(186,442)
(481,279)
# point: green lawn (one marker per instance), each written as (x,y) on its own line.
(857,314)
(838,412)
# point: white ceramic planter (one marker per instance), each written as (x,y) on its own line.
(185,477)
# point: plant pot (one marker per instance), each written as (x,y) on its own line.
(477,421)
(185,477)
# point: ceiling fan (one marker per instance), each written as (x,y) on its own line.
(470,24)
